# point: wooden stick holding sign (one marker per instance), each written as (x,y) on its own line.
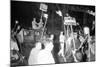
(43,8)
(69,22)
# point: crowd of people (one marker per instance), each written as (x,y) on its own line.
(39,46)
(42,51)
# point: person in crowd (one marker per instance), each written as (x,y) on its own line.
(77,41)
(61,40)
(14,45)
(69,46)
(45,55)
(36,25)
(33,57)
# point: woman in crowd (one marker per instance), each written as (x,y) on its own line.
(45,55)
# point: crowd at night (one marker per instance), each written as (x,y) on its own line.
(51,33)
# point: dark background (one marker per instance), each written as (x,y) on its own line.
(24,12)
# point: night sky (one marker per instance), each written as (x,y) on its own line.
(24,12)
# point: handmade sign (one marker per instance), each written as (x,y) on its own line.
(43,7)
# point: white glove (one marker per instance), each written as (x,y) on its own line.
(59,13)
(61,53)
(46,16)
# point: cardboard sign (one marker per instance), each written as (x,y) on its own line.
(69,21)
(43,7)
